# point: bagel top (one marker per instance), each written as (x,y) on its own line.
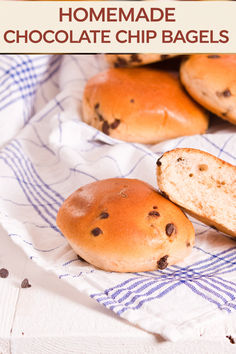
(141,105)
(210,80)
(124,225)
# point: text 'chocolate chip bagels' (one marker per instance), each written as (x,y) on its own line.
(141,105)
(124,225)
(211,81)
(202,184)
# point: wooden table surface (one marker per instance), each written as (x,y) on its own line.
(53,317)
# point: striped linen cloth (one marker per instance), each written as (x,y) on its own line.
(46,152)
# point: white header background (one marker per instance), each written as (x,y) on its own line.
(189,15)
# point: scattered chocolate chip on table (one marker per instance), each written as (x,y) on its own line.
(4,273)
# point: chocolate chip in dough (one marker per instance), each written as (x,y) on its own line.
(188,244)
(120,62)
(96,232)
(115,124)
(158,163)
(132,100)
(165,195)
(180,159)
(105,127)
(100,117)
(25,284)
(104,215)
(154,207)
(203,167)
(154,213)
(213,227)
(170,229)
(80,258)
(232,341)
(226,93)
(135,58)
(162,263)
(4,273)
(213,56)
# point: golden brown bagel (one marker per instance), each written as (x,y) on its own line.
(141,105)
(124,225)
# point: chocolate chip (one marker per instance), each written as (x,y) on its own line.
(104,215)
(170,228)
(25,284)
(115,124)
(188,244)
(214,56)
(180,159)
(132,100)
(164,56)
(226,93)
(232,341)
(213,227)
(100,117)
(154,207)
(158,163)
(153,213)
(120,62)
(203,167)
(164,194)
(105,127)
(224,114)
(80,258)
(96,232)
(135,58)
(162,263)
(4,273)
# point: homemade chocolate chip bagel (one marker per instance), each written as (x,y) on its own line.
(129,60)
(124,225)
(141,105)
(211,81)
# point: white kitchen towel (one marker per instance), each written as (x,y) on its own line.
(47,152)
